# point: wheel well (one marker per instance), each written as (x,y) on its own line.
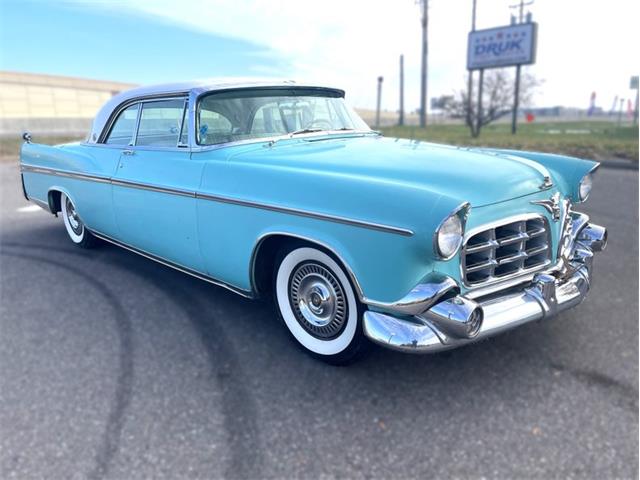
(54,201)
(265,257)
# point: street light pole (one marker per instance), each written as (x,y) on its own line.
(516,96)
(401,113)
(470,80)
(378,102)
(425,55)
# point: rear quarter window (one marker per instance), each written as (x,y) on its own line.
(122,131)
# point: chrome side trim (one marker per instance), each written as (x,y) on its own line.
(64,173)
(222,199)
(175,266)
(305,213)
(153,188)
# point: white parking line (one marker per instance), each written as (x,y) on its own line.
(29,209)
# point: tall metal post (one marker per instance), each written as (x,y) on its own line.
(401,113)
(425,55)
(516,101)
(378,103)
(479,115)
(516,94)
(620,111)
(470,80)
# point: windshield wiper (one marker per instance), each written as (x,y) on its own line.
(305,130)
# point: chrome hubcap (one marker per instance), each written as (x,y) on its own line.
(72,215)
(318,300)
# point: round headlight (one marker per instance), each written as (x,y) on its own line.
(585,187)
(449,237)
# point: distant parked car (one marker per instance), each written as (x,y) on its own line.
(280,189)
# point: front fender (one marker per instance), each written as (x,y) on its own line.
(567,172)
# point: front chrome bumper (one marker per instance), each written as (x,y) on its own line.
(451,320)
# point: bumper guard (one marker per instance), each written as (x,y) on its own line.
(458,320)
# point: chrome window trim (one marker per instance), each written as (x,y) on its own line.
(134,138)
(135,127)
(156,100)
(269,141)
(222,199)
(503,282)
(127,103)
(137,147)
(185,112)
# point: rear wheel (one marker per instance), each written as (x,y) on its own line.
(73,224)
(318,305)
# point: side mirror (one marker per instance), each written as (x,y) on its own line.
(26,136)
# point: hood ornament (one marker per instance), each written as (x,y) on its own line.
(552,205)
(546,183)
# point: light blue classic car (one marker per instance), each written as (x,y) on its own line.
(279,189)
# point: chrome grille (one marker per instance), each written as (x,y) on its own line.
(505,250)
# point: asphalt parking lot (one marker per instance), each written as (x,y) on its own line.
(112,366)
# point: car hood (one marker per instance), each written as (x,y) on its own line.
(481,178)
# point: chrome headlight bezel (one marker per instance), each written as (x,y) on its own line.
(453,226)
(585,186)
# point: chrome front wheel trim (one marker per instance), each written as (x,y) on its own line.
(296,323)
(318,300)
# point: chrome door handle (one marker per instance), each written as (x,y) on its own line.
(128,152)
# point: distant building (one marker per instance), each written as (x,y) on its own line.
(50,104)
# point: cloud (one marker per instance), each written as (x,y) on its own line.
(349,43)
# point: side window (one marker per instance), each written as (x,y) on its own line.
(160,123)
(122,131)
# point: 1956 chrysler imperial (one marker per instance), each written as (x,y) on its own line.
(276,188)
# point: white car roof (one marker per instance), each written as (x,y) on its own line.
(185,88)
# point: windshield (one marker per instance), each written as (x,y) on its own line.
(262,113)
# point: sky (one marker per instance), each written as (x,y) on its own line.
(583,45)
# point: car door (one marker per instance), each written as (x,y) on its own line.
(154,185)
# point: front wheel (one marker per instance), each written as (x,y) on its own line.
(74,226)
(318,305)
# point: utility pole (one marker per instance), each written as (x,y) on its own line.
(401,114)
(470,81)
(516,96)
(378,103)
(620,111)
(479,115)
(425,56)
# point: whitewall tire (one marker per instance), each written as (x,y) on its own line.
(317,303)
(73,224)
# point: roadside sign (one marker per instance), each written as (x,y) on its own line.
(633,83)
(502,46)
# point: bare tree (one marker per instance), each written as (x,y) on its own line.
(497,99)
